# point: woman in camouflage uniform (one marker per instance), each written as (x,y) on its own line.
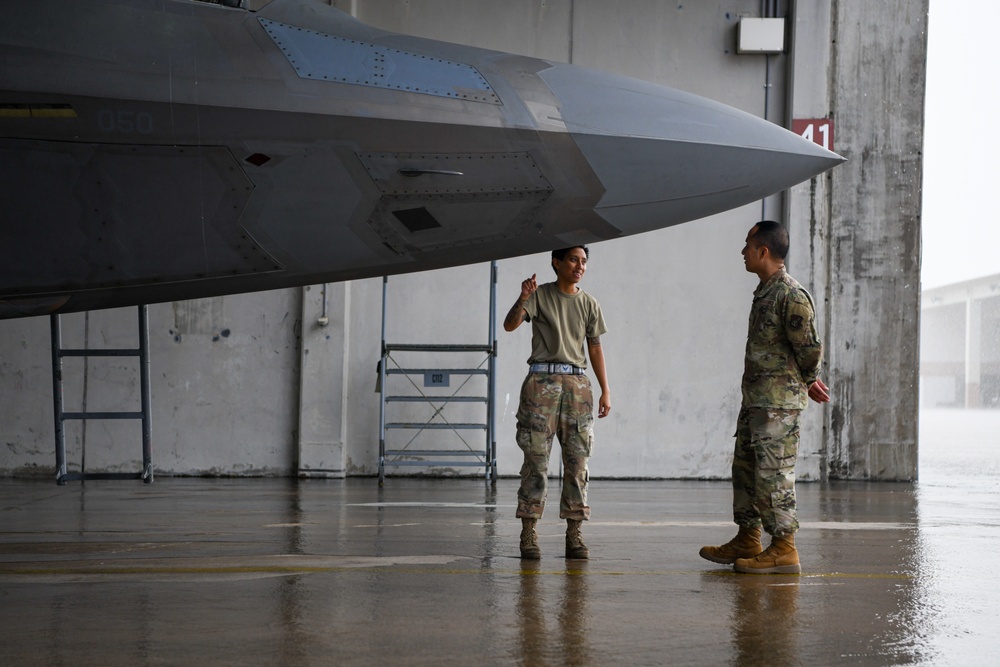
(556,398)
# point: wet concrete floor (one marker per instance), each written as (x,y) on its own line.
(425,572)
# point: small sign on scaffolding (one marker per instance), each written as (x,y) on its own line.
(437,379)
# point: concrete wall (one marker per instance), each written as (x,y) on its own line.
(224,375)
(253,384)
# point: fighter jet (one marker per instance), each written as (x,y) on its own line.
(160,150)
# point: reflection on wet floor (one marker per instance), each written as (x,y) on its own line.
(424,572)
(764,620)
(553,628)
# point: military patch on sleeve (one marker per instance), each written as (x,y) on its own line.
(795,322)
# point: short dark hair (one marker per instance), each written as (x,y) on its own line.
(773,236)
(560,253)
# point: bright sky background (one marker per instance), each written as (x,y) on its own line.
(961,199)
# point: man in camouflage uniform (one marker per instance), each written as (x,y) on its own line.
(556,398)
(783,356)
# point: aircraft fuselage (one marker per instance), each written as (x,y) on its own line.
(158,150)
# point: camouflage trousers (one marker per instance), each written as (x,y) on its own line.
(767,446)
(555,405)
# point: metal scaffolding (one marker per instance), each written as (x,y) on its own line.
(436,393)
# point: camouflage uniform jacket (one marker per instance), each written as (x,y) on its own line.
(783,350)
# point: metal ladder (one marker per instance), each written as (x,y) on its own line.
(438,378)
(60,415)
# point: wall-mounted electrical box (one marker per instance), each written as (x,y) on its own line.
(760,35)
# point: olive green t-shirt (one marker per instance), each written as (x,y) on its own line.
(561,324)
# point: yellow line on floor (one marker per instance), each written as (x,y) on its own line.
(388,569)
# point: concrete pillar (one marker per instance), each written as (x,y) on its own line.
(323,376)
(973,352)
(876,75)
(808,211)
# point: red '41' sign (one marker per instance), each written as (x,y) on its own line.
(816,130)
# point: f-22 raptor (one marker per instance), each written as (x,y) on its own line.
(159,150)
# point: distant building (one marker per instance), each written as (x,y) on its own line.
(960,345)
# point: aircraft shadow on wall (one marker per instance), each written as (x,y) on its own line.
(168,150)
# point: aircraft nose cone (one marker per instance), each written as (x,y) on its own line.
(665,154)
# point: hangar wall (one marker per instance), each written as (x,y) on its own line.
(253,384)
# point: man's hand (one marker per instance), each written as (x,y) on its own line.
(604,407)
(529,286)
(819,392)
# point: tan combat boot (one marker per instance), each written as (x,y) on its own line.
(779,558)
(529,540)
(575,548)
(746,544)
